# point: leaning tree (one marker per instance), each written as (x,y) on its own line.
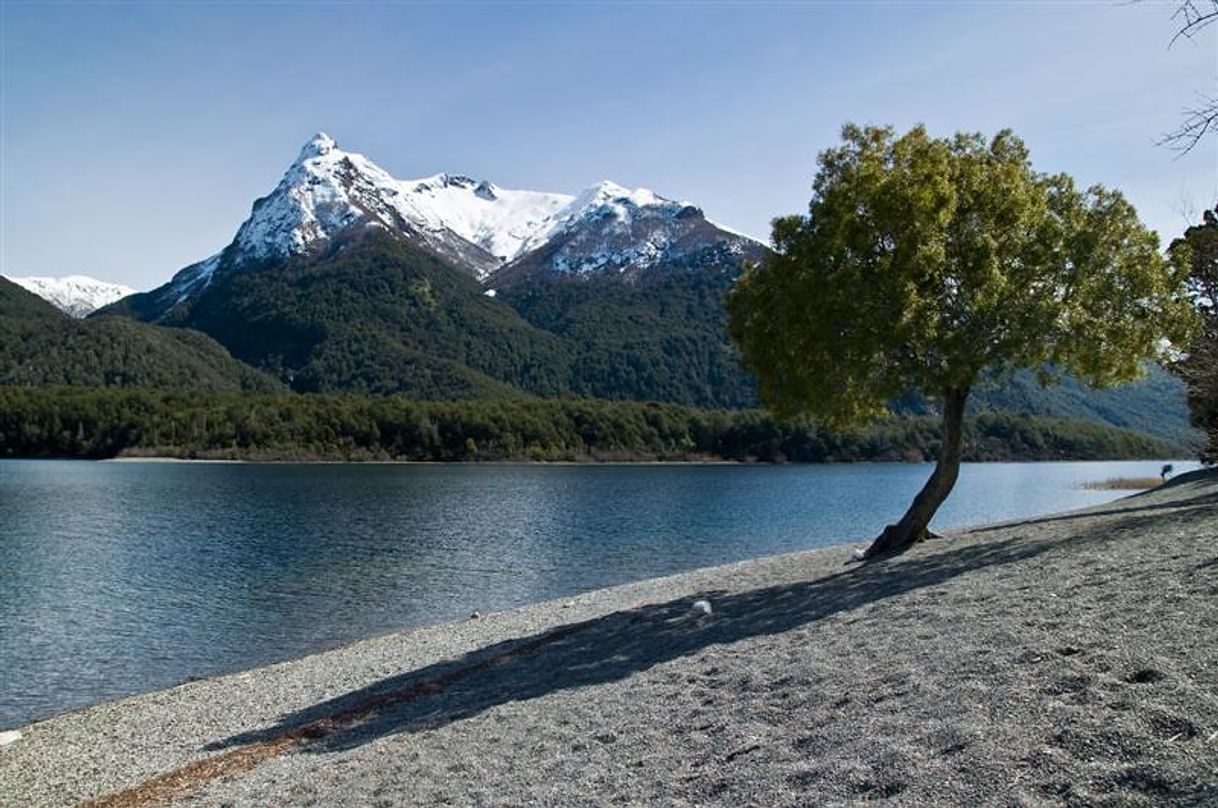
(924,262)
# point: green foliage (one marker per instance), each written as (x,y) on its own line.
(924,262)
(1198,250)
(96,423)
(659,337)
(40,345)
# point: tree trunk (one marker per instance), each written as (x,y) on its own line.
(913,525)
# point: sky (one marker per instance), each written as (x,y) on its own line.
(134,136)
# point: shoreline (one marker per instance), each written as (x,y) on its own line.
(846,620)
(593,462)
(327,462)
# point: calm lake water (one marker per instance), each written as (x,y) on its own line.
(117,578)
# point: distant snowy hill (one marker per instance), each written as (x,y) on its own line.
(477,226)
(78,295)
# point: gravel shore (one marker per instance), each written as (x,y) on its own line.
(1065,660)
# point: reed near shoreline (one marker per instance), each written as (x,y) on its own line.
(1124,484)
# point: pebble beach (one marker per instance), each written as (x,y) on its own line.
(1070,659)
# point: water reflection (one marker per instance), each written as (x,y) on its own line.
(122,577)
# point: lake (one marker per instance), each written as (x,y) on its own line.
(118,578)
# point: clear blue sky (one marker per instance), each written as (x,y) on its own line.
(137,135)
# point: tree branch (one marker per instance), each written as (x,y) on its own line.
(1198,121)
(1192,16)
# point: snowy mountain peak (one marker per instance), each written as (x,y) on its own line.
(325,191)
(607,191)
(608,200)
(609,228)
(77,295)
(473,224)
(320,144)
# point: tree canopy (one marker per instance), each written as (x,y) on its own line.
(924,261)
(1198,250)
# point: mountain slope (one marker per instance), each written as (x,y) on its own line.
(78,295)
(374,314)
(661,336)
(40,345)
(1154,405)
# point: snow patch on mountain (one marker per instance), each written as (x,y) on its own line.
(608,194)
(78,295)
(501,221)
(194,278)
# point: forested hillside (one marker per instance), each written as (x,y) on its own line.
(661,336)
(40,345)
(374,314)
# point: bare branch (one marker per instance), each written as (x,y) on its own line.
(1198,121)
(1192,16)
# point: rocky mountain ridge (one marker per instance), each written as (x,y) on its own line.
(497,235)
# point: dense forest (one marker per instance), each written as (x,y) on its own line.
(40,345)
(661,336)
(101,423)
(374,315)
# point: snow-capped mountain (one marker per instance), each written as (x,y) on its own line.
(328,191)
(475,225)
(611,229)
(78,295)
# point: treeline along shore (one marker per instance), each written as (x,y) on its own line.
(98,423)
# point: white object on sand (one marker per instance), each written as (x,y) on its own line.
(860,554)
(702,606)
(12,736)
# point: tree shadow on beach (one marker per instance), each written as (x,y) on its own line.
(615,646)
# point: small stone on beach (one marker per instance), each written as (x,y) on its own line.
(702,606)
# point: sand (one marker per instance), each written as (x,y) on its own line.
(1066,660)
